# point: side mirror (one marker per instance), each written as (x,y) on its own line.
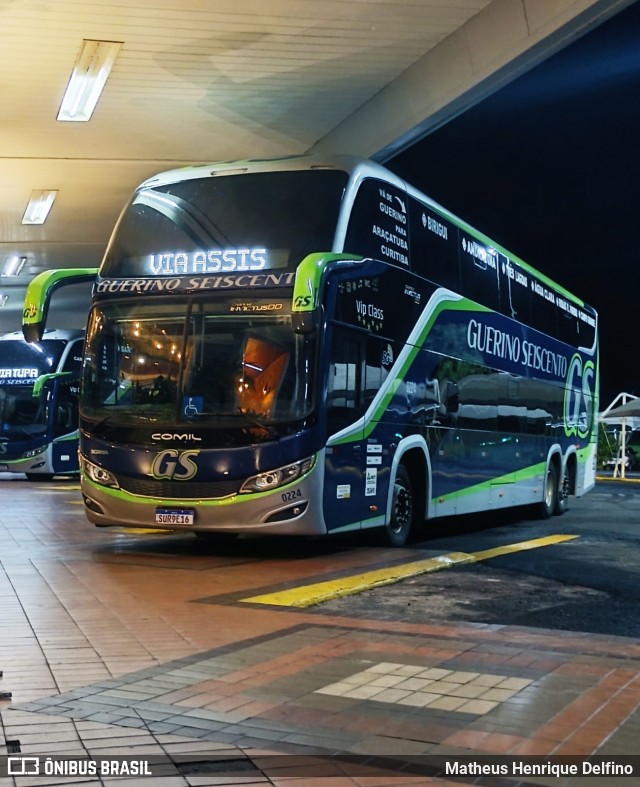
(38,296)
(306,322)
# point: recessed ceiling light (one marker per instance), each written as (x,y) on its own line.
(3,299)
(88,78)
(38,207)
(13,266)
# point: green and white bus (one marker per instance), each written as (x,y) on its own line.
(39,384)
(315,347)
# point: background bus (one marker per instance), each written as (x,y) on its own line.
(39,386)
(302,347)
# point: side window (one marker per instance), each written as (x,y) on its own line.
(379,223)
(374,372)
(512,410)
(345,383)
(516,292)
(544,311)
(356,374)
(479,272)
(434,246)
(543,403)
(73,361)
(478,398)
(66,407)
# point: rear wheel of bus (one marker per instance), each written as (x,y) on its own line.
(562,496)
(549,492)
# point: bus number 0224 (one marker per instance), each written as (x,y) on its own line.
(292,495)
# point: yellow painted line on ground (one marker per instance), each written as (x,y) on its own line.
(142,531)
(308,595)
(624,480)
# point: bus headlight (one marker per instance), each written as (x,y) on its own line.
(34,452)
(272,479)
(98,474)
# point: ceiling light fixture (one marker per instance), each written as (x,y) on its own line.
(13,266)
(3,299)
(38,207)
(88,79)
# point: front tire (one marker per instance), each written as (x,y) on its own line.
(403,509)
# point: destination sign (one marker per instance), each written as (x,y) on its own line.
(18,375)
(202,261)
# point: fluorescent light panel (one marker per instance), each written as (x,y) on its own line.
(3,299)
(13,266)
(38,207)
(88,79)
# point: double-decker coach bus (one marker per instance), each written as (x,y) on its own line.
(304,347)
(39,386)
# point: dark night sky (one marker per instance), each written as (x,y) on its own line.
(549,167)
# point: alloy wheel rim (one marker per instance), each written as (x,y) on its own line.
(402,508)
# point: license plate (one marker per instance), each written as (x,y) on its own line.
(174,516)
(4,467)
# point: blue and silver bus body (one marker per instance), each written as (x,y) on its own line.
(346,481)
(52,457)
(454,364)
(33,439)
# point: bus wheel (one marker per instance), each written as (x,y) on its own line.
(550,492)
(398,529)
(39,476)
(562,496)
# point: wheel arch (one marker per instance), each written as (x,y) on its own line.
(570,468)
(413,453)
(555,457)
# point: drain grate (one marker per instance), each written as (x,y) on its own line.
(216,766)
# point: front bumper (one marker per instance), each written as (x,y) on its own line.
(293,509)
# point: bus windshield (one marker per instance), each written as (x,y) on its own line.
(212,361)
(228,223)
(22,415)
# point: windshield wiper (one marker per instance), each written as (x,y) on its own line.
(102,421)
(255,421)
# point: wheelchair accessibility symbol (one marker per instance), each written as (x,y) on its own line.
(192,405)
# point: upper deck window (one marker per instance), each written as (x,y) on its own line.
(225,224)
(21,362)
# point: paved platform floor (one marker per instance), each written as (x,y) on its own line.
(122,644)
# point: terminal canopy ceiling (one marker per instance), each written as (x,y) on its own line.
(196,81)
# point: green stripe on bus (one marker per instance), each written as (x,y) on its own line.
(391,385)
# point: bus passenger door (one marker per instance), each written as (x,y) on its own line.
(345,471)
(64,412)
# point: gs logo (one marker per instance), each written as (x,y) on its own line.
(579,397)
(302,302)
(175,465)
(30,311)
